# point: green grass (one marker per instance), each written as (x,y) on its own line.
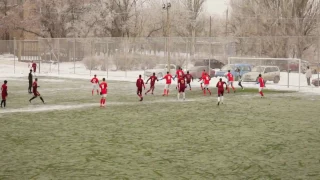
(160,138)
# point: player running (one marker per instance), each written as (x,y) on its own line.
(181,88)
(103,92)
(238,71)
(30,78)
(179,74)
(95,84)
(4,94)
(168,78)
(33,66)
(188,78)
(220,88)
(153,79)
(262,85)
(35,91)
(206,81)
(139,85)
(230,81)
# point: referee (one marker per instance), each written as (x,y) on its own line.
(30,81)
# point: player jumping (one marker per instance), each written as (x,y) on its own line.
(181,88)
(139,85)
(4,94)
(35,91)
(153,79)
(206,80)
(262,85)
(168,78)
(103,92)
(95,83)
(220,90)
(188,78)
(230,81)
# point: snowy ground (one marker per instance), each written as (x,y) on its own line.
(10,68)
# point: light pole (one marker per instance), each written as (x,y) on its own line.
(166,7)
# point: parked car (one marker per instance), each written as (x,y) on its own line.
(214,64)
(294,66)
(269,73)
(315,69)
(160,70)
(244,68)
(196,71)
(316,82)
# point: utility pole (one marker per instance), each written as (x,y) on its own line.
(167,7)
(210,27)
(227,14)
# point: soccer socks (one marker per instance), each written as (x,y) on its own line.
(92,92)
(32,98)
(42,99)
(102,102)
(184,96)
(164,91)
(2,102)
(97,92)
(167,92)
(178,96)
(261,93)
(222,99)
(204,92)
(209,91)
(201,86)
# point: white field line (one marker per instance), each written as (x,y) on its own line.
(45,107)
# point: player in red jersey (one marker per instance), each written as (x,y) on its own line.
(181,88)
(202,77)
(168,78)
(33,66)
(188,78)
(95,84)
(230,81)
(220,90)
(35,91)
(153,79)
(103,92)
(206,81)
(179,74)
(4,94)
(139,85)
(262,85)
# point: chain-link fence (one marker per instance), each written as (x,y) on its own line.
(126,58)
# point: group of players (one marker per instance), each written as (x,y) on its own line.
(184,80)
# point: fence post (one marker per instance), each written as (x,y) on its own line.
(91,56)
(126,56)
(14,55)
(107,60)
(74,56)
(58,56)
(39,54)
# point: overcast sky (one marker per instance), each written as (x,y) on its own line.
(216,6)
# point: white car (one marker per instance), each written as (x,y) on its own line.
(269,73)
(160,70)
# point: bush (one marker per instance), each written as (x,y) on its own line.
(92,62)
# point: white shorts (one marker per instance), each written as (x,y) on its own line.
(167,86)
(230,83)
(104,95)
(206,86)
(95,87)
(260,89)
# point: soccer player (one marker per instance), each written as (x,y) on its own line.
(179,74)
(30,78)
(262,85)
(202,77)
(95,83)
(181,88)
(103,92)
(238,71)
(34,66)
(153,79)
(35,91)
(220,90)
(188,78)
(139,85)
(230,81)
(168,78)
(4,94)
(206,80)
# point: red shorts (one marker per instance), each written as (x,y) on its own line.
(181,89)
(36,93)
(4,96)
(34,69)
(188,82)
(139,91)
(151,86)
(220,92)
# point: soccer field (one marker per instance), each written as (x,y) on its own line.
(70,137)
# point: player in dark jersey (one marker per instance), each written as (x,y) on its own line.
(139,85)
(4,94)
(153,79)
(30,78)
(35,91)
(181,87)
(188,78)
(220,87)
